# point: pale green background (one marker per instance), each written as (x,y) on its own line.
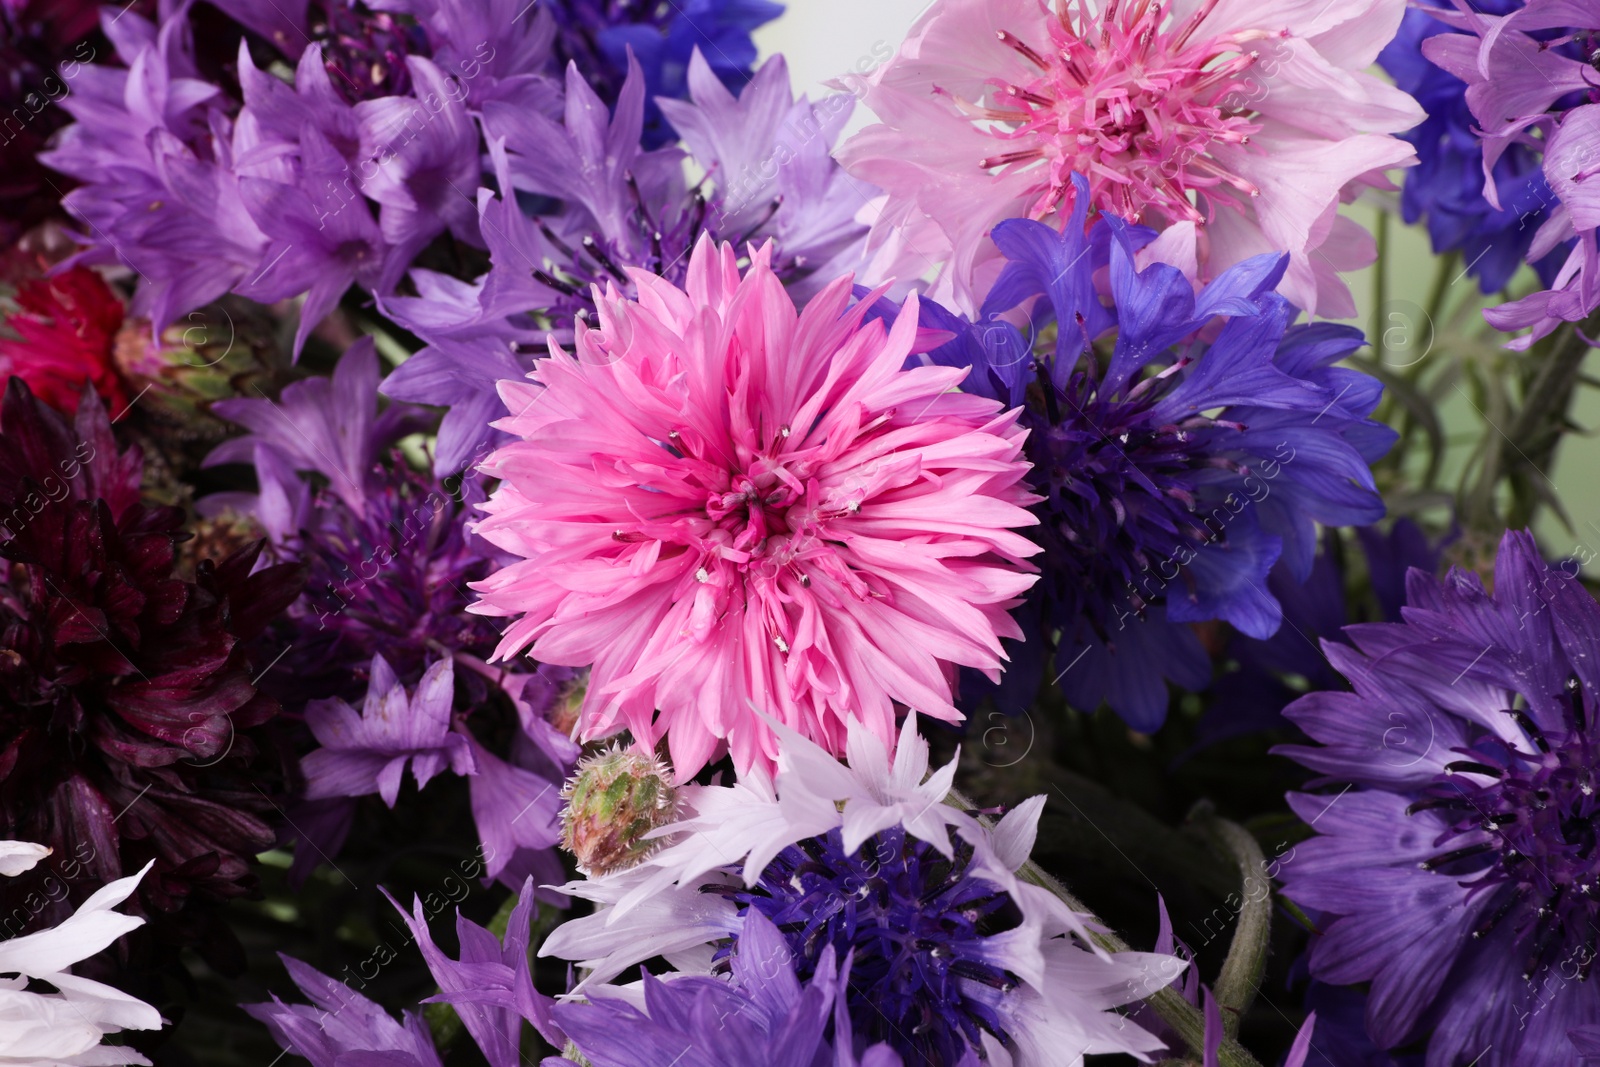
(824,38)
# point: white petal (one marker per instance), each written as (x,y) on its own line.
(19,856)
(1016,832)
(674,921)
(91,928)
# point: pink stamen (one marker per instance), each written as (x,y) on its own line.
(1011,41)
(1031,97)
(990,162)
(1132,103)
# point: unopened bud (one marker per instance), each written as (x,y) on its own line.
(563,711)
(614,799)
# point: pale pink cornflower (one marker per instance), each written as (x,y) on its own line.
(1234,126)
(723,504)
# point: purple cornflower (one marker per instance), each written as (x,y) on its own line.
(491,983)
(1457,871)
(387,552)
(761,1013)
(495,49)
(153,149)
(490,986)
(340,1026)
(419,163)
(1530,87)
(364,51)
(1183,441)
(609,205)
(368,752)
(1446,187)
(311,237)
(272,190)
(389,558)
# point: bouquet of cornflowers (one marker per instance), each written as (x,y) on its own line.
(527,542)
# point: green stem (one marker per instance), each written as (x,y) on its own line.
(1441,284)
(1540,423)
(1530,437)
(1167,1002)
(1380,271)
(1247,954)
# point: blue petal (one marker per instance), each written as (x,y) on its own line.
(1236,290)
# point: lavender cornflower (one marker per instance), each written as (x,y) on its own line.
(1526,73)
(604,205)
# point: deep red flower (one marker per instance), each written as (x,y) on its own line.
(66,329)
(130,727)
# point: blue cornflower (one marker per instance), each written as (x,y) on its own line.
(1183,442)
(598,34)
(951,957)
(1457,871)
(874,903)
(1252,697)
(765,1013)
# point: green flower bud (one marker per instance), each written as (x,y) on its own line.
(563,713)
(614,799)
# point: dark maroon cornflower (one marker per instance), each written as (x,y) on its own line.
(130,724)
(42,44)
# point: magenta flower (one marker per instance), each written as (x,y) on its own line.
(724,505)
(1235,127)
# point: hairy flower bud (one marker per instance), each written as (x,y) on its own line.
(563,711)
(614,800)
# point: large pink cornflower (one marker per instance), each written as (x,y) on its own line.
(723,506)
(1235,126)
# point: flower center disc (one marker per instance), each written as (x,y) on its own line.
(1132,102)
(927,973)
